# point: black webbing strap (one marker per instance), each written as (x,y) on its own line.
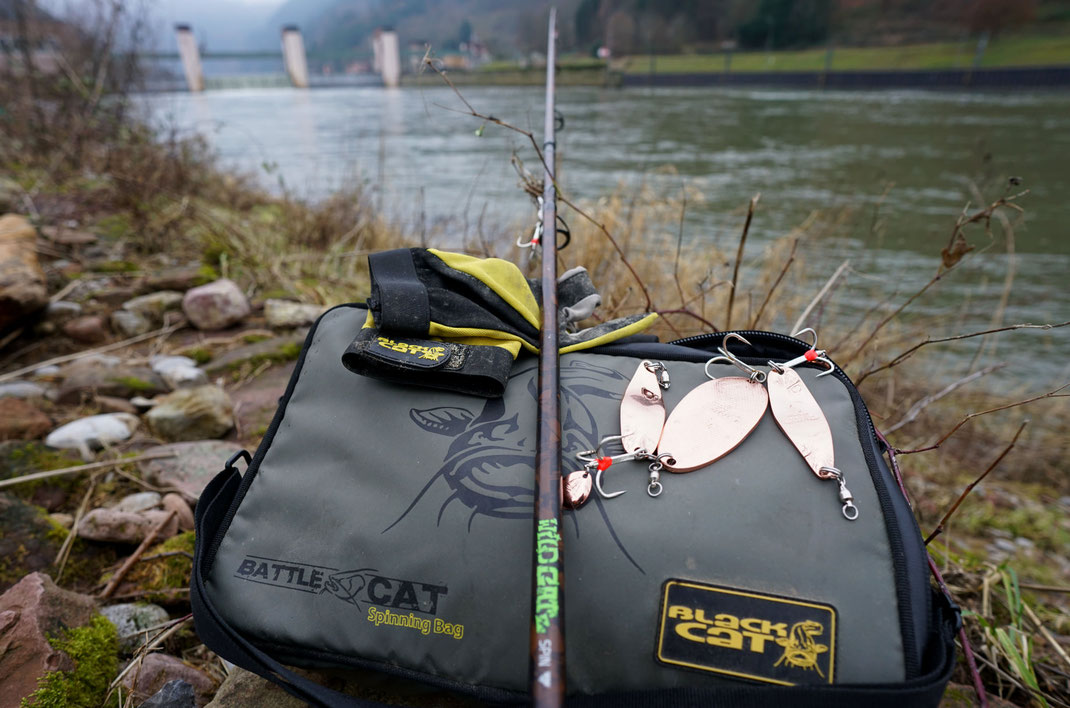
(399,298)
(213,629)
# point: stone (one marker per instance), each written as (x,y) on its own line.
(140,501)
(216,305)
(117,526)
(184,515)
(21,420)
(191,469)
(86,330)
(156,670)
(62,310)
(129,324)
(175,278)
(178,371)
(46,371)
(112,404)
(28,542)
(134,620)
(256,401)
(93,432)
(286,313)
(107,378)
(114,296)
(66,236)
(174,694)
(277,349)
(64,520)
(22,389)
(191,414)
(244,688)
(31,612)
(154,305)
(23,287)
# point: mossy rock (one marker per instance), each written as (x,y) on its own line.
(19,458)
(29,540)
(94,651)
(160,578)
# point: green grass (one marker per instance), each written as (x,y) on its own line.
(1009,51)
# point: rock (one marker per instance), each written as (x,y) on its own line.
(184,515)
(176,278)
(93,432)
(22,389)
(193,466)
(28,543)
(111,404)
(174,694)
(62,310)
(244,688)
(159,669)
(20,457)
(178,371)
(114,296)
(276,349)
(46,371)
(134,620)
(64,520)
(191,414)
(87,330)
(286,313)
(153,306)
(124,526)
(32,612)
(141,501)
(66,236)
(23,288)
(107,378)
(216,305)
(255,401)
(20,420)
(129,324)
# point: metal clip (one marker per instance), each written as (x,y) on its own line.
(812,354)
(597,463)
(536,233)
(658,368)
(850,511)
(753,375)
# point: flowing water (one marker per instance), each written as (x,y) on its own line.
(905,160)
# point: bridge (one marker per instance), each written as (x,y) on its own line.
(288,67)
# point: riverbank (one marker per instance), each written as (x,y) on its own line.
(127,232)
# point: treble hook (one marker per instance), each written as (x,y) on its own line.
(812,354)
(754,375)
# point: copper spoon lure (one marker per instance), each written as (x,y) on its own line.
(714,418)
(800,417)
(642,417)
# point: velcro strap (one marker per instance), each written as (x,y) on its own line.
(399,299)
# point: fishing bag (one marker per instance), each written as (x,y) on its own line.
(388,527)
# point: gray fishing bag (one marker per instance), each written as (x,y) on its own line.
(388,527)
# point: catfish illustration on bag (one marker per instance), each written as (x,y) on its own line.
(487,445)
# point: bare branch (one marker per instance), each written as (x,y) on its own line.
(817,298)
(969,487)
(775,285)
(739,257)
(920,405)
(929,340)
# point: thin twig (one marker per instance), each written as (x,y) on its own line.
(969,487)
(1045,588)
(689,313)
(68,542)
(147,648)
(133,559)
(820,294)
(1050,394)
(82,468)
(739,257)
(1046,634)
(964,640)
(775,285)
(89,352)
(679,244)
(922,403)
(903,356)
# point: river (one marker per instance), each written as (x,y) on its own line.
(908,157)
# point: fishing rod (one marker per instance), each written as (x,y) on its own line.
(547,583)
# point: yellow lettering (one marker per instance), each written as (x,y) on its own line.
(726,621)
(728,638)
(680,612)
(685,629)
(757,641)
(754,625)
(780,628)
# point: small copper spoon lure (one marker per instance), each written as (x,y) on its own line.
(799,415)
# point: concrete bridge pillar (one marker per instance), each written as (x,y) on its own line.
(293,55)
(387,53)
(191,57)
